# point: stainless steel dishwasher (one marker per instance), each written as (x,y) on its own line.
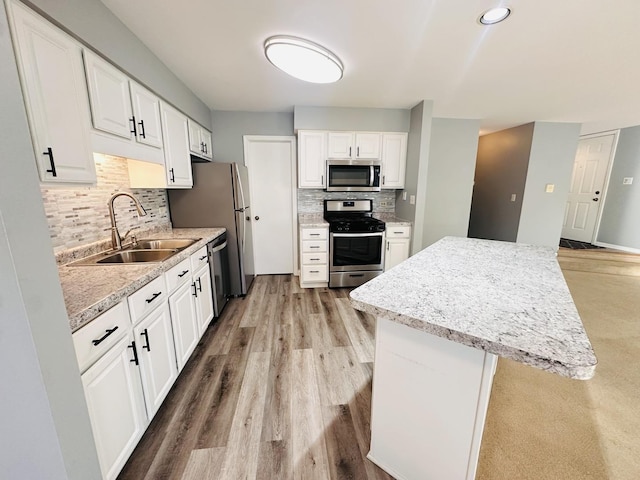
(219,266)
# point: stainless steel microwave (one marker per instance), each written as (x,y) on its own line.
(353,175)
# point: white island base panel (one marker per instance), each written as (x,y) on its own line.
(430,399)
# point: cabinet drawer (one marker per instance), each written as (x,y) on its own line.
(178,274)
(147,298)
(398,232)
(309,246)
(319,258)
(315,233)
(314,273)
(96,338)
(198,259)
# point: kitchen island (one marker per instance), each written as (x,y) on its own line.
(443,318)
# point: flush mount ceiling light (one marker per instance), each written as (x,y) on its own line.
(303,59)
(494,15)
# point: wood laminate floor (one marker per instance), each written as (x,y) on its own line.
(279,388)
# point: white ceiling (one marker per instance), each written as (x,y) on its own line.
(578,64)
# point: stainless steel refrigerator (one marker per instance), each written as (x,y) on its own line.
(220,198)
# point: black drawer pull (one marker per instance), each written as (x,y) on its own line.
(141,123)
(155,295)
(145,334)
(202,258)
(109,331)
(314,234)
(314,259)
(314,246)
(183,273)
(135,353)
(399,233)
(51,170)
(314,271)
(354,275)
(195,290)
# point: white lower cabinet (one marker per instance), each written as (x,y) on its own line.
(156,354)
(184,321)
(314,264)
(397,243)
(204,298)
(113,391)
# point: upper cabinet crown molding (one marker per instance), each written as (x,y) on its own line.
(56,98)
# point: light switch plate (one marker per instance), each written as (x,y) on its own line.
(404,196)
(513,197)
(412,200)
(549,188)
(627,180)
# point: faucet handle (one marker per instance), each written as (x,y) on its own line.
(134,241)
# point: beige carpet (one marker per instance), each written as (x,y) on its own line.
(542,426)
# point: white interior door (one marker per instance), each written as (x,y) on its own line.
(587,184)
(271,164)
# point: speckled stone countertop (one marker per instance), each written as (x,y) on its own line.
(391,218)
(92,289)
(505,298)
(312,220)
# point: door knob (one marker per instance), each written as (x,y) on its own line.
(597,192)
(595,199)
(257,217)
(248,218)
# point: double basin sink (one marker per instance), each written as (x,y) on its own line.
(143,251)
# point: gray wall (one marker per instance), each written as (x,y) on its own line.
(229,127)
(620,222)
(43,415)
(501,170)
(347,118)
(452,162)
(553,150)
(94,24)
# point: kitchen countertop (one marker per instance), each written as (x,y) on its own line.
(391,218)
(312,220)
(90,290)
(505,298)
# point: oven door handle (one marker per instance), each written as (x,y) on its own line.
(362,234)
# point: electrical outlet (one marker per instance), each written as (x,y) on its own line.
(404,196)
(162,211)
(412,199)
(513,197)
(549,188)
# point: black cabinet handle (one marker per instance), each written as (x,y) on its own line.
(349,151)
(357,151)
(195,289)
(155,295)
(141,123)
(135,353)
(145,334)
(183,273)
(202,258)
(199,285)
(202,147)
(52,170)
(133,124)
(173,178)
(206,148)
(109,331)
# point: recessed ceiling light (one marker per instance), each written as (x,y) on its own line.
(303,59)
(494,15)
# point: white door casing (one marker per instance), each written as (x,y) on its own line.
(271,162)
(586,193)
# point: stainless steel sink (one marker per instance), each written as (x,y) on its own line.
(164,243)
(138,256)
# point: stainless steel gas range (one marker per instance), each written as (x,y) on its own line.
(356,240)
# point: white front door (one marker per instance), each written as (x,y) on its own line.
(587,183)
(271,163)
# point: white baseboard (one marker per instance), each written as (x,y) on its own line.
(617,247)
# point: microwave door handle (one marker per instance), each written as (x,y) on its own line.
(371,175)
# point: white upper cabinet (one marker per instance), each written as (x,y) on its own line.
(121,107)
(354,145)
(312,159)
(55,92)
(394,159)
(200,141)
(146,111)
(175,130)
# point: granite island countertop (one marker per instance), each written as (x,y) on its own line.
(90,290)
(505,298)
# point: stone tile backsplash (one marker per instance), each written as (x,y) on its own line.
(78,215)
(311,200)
